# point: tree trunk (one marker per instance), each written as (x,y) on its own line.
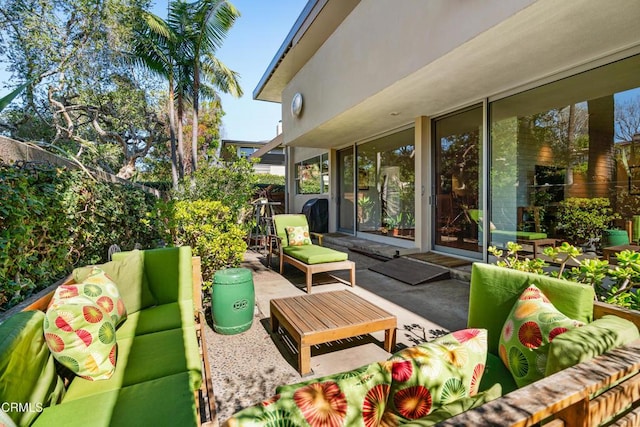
(196,106)
(601,138)
(172,138)
(181,165)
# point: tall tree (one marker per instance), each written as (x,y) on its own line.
(211,21)
(156,47)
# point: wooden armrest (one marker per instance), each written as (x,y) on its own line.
(566,395)
(319,236)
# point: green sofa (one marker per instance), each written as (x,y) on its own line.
(158,367)
(494,293)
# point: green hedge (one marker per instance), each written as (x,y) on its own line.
(210,228)
(52,220)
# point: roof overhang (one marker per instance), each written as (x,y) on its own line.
(274,143)
(317,21)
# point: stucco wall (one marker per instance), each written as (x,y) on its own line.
(379,43)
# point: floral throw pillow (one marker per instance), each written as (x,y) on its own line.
(350,398)
(524,342)
(80,334)
(100,289)
(298,236)
(431,375)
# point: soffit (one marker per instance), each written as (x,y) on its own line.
(542,40)
(316,23)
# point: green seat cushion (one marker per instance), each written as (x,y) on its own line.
(495,372)
(494,290)
(145,358)
(166,401)
(169,273)
(525,235)
(582,344)
(159,318)
(313,254)
(345,399)
(27,369)
(529,329)
(456,407)
(431,375)
(127,272)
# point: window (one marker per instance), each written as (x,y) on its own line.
(563,147)
(386,186)
(312,175)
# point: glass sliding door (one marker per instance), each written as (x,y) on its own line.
(386,186)
(346,189)
(457,192)
(564,154)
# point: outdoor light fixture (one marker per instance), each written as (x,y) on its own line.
(296,104)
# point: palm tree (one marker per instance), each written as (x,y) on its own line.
(211,21)
(155,47)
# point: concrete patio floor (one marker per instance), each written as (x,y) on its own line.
(247,367)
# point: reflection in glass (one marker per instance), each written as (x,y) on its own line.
(386,186)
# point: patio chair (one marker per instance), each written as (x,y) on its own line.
(298,250)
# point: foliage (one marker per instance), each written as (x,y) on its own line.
(270,179)
(209,227)
(80,94)
(52,220)
(232,183)
(584,219)
(613,284)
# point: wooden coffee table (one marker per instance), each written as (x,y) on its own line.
(328,316)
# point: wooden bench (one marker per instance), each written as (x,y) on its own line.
(567,397)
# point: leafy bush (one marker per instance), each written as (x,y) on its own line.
(52,220)
(613,284)
(209,227)
(584,219)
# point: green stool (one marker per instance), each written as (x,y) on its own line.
(232,300)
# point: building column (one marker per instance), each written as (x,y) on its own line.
(423,238)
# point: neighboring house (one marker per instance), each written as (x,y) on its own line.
(272,162)
(425,122)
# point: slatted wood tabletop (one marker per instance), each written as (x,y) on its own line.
(328,316)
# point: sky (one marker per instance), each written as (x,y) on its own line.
(249,48)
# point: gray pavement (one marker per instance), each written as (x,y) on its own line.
(247,367)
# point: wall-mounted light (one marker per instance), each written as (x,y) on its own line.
(296,104)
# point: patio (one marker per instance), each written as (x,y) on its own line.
(241,379)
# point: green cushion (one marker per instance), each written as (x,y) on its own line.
(159,318)
(525,235)
(495,372)
(529,329)
(457,407)
(431,375)
(145,358)
(27,369)
(166,401)
(494,290)
(582,344)
(347,398)
(80,335)
(285,220)
(127,272)
(167,267)
(313,254)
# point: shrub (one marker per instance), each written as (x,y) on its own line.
(52,219)
(209,227)
(583,219)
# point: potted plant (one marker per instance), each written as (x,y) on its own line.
(583,219)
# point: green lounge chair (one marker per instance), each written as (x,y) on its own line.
(308,257)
